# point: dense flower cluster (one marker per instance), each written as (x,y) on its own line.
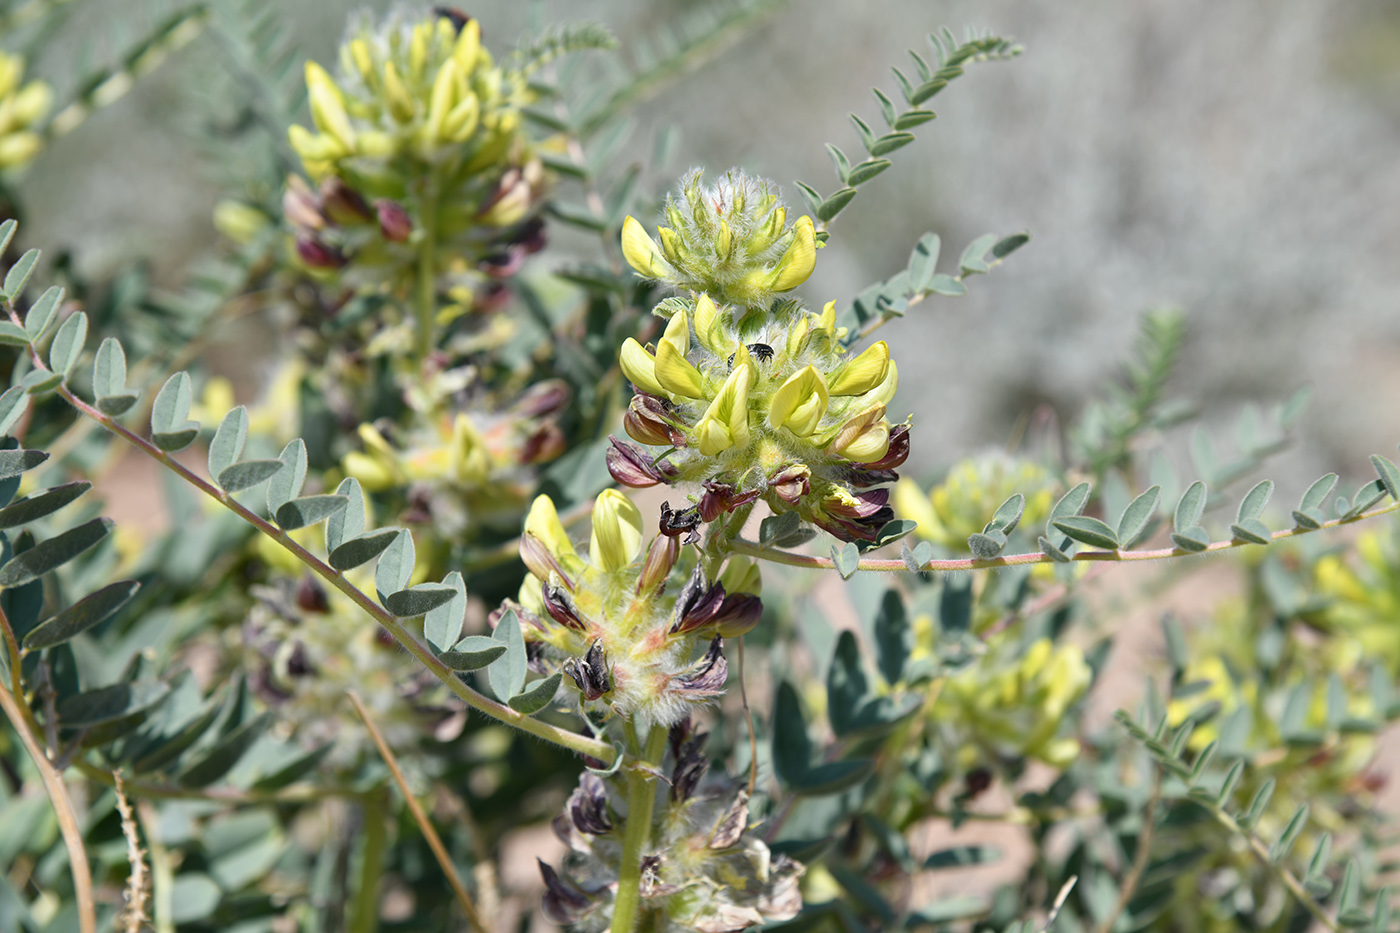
(959,506)
(628,645)
(417,141)
(22,106)
(704,870)
(467,468)
(1011,703)
(755,396)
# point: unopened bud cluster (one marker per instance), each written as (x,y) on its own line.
(632,649)
(22,106)
(465,471)
(419,136)
(705,869)
(756,396)
(305,645)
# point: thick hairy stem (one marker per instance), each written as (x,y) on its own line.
(62,808)
(754,549)
(636,837)
(498,711)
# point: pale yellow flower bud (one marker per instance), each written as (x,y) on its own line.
(363,61)
(617,532)
(641,251)
(441,101)
(543,522)
(400,101)
(797,263)
(797,335)
(462,119)
(314,147)
(669,246)
(31,103)
(418,52)
(639,367)
(468,47)
(862,373)
(328,106)
(799,403)
(724,241)
(707,324)
(676,374)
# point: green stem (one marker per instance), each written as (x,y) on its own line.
(365,918)
(756,550)
(723,535)
(636,837)
(425,300)
(498,711)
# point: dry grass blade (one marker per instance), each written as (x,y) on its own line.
(421,818)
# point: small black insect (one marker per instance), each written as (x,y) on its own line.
(761,351)
(676,522)
(456,16)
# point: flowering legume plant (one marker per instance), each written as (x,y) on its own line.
(402,617)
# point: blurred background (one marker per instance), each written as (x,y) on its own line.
(1237,159)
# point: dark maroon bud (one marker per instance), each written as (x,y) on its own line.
(560,605)
(708,678)
(344,205)
(534,658)
(661,557)
(542,398)
(791,483)
(646,422)
(977,781)
(311,595)
(531,236)
(300,207)
(504,263)
(588,806)
(719,498)
(700,610)
(898,452)
(866,504)
(732,825)
(630,467)
(652,885)
(563,903)
(491,298)
(738,615)
(590,672)
(540,562)
(394,221)
(545,444)
(862,479)
(676,522)
(318,255)
(685,778)
(298,664)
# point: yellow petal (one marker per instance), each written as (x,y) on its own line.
(707,329)
(800,258)
(883,392)
(543,522)
(827,321)
(442,100)
(865,438)
(641,251)
(678,332)
(639,367)
(676,374)
(617,532)
(400,103)
(712,437)
(797,336)
(912,503)
(863,373)
(799,403)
